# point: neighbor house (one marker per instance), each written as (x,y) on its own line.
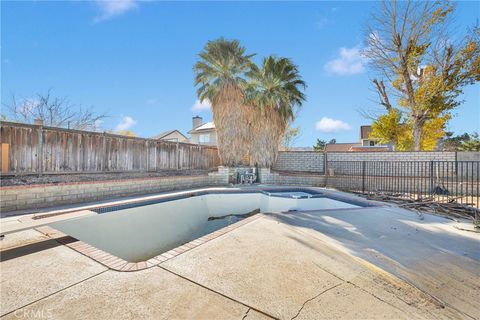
(203,133)
(171,135)
(366,144)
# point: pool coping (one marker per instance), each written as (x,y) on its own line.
(118,264)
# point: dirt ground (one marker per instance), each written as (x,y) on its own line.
(19,180)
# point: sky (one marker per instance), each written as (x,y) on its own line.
(133,60)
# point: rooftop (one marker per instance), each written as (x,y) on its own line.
(204,127)
(336,147)
(166,133)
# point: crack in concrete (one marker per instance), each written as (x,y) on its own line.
(217,292)
(318,295)
(53,293)
(441,303)
(358,287)
(246,314)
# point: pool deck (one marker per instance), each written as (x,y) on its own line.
(371,263)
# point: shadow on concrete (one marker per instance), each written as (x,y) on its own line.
(395,233)
(32,248)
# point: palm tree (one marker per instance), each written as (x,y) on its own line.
(220,76)
(275,89)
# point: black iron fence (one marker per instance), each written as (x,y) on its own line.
(440,180)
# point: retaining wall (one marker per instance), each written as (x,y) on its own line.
(49,195)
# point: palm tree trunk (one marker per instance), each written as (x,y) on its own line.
(230,116)
(267,131)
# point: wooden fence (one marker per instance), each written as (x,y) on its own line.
(34,149)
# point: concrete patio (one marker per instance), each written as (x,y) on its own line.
(351,264)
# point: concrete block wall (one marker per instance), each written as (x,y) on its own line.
(47,195)
(469,168)
(301,179)
(300,161)
(350,162)
(468,156)
(391,156)
(390,168)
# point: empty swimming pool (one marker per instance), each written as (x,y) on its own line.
(136,232)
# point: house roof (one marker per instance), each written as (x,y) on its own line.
(204,127)
(365,132)
(166,133)
(335,147)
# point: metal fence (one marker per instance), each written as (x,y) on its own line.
(441,180)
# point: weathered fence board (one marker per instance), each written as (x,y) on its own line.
(36,149)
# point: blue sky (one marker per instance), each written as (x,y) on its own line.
(134,60)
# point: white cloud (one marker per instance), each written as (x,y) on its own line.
(126,123)
(112,8)
(322,22)
(329,125)
(152,101)
(201,106)
(349,62)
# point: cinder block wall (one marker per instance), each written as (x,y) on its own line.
(468,156)
(301,179)
(391,156)
(311,161)
(300,161)
(48,195)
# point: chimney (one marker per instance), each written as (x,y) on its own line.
(197,121)
(38,121)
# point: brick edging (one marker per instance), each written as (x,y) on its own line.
(115,263)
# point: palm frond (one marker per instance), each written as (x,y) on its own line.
(220,76)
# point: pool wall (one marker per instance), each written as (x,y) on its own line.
(189,207)
(138,231)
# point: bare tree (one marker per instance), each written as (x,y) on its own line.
(55,112)
(420,69)
(290,137)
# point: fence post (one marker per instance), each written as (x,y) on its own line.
(325,163)
(104,152)
(40,149)
(431,177)
(177,156)
(363,176)
(147,165)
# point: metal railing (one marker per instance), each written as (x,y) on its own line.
(441,181)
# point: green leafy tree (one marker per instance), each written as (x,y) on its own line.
(472,144)
(454,143)
(408,43)
(319,145)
